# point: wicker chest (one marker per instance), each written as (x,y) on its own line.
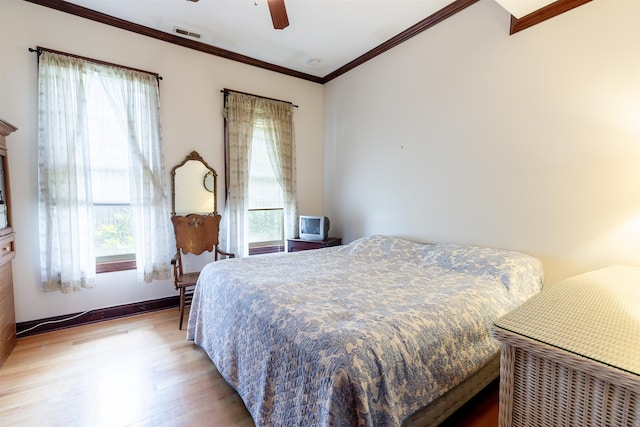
(571,354)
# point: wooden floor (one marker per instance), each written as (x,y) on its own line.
(136,371)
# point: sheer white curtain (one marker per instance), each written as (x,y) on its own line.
(67,259)
(66,203)
(134,96)
(242,112)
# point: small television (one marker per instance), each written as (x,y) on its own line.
(314,227)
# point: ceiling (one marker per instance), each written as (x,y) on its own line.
(323,35)
(520,8)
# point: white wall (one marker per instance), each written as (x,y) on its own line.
(191,120)
(466,134)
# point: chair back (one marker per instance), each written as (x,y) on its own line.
(196,233)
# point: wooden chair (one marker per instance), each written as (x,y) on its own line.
(194,235)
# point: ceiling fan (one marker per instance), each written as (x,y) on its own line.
(278,14)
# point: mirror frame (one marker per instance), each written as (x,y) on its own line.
(194,156)
(206,183)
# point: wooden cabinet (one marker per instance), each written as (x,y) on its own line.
(7,252)
(295,245)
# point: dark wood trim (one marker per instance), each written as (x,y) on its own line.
(540,15)
(421,26)
(527,21)
(261,250)
(83,12)
(94,316)
(108,267)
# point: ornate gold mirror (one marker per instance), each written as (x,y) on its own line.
(193,187)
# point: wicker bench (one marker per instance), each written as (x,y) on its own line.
(571,354)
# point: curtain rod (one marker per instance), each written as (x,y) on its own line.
(40,49)
(225,91)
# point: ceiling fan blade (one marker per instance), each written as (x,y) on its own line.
(278,14)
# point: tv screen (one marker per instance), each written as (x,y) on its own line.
(314,227)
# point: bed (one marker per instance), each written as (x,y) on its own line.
(373,333)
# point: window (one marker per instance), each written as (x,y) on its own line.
(101,175)
(260,210)
(266,201)
(114,244)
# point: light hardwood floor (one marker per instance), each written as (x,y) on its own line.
(135,371)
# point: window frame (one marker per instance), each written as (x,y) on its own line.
(111,266)
(268,246)
(117,262)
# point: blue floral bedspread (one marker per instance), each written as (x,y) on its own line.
(359,335)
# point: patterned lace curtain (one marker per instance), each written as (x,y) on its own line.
(66,209)
(242,112)
(239,113)
(278,126)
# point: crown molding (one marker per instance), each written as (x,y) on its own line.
(92,15)
(83,12)
(540,15)
(456,6)
(410,32)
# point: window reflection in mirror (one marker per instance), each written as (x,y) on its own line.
(194,183)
